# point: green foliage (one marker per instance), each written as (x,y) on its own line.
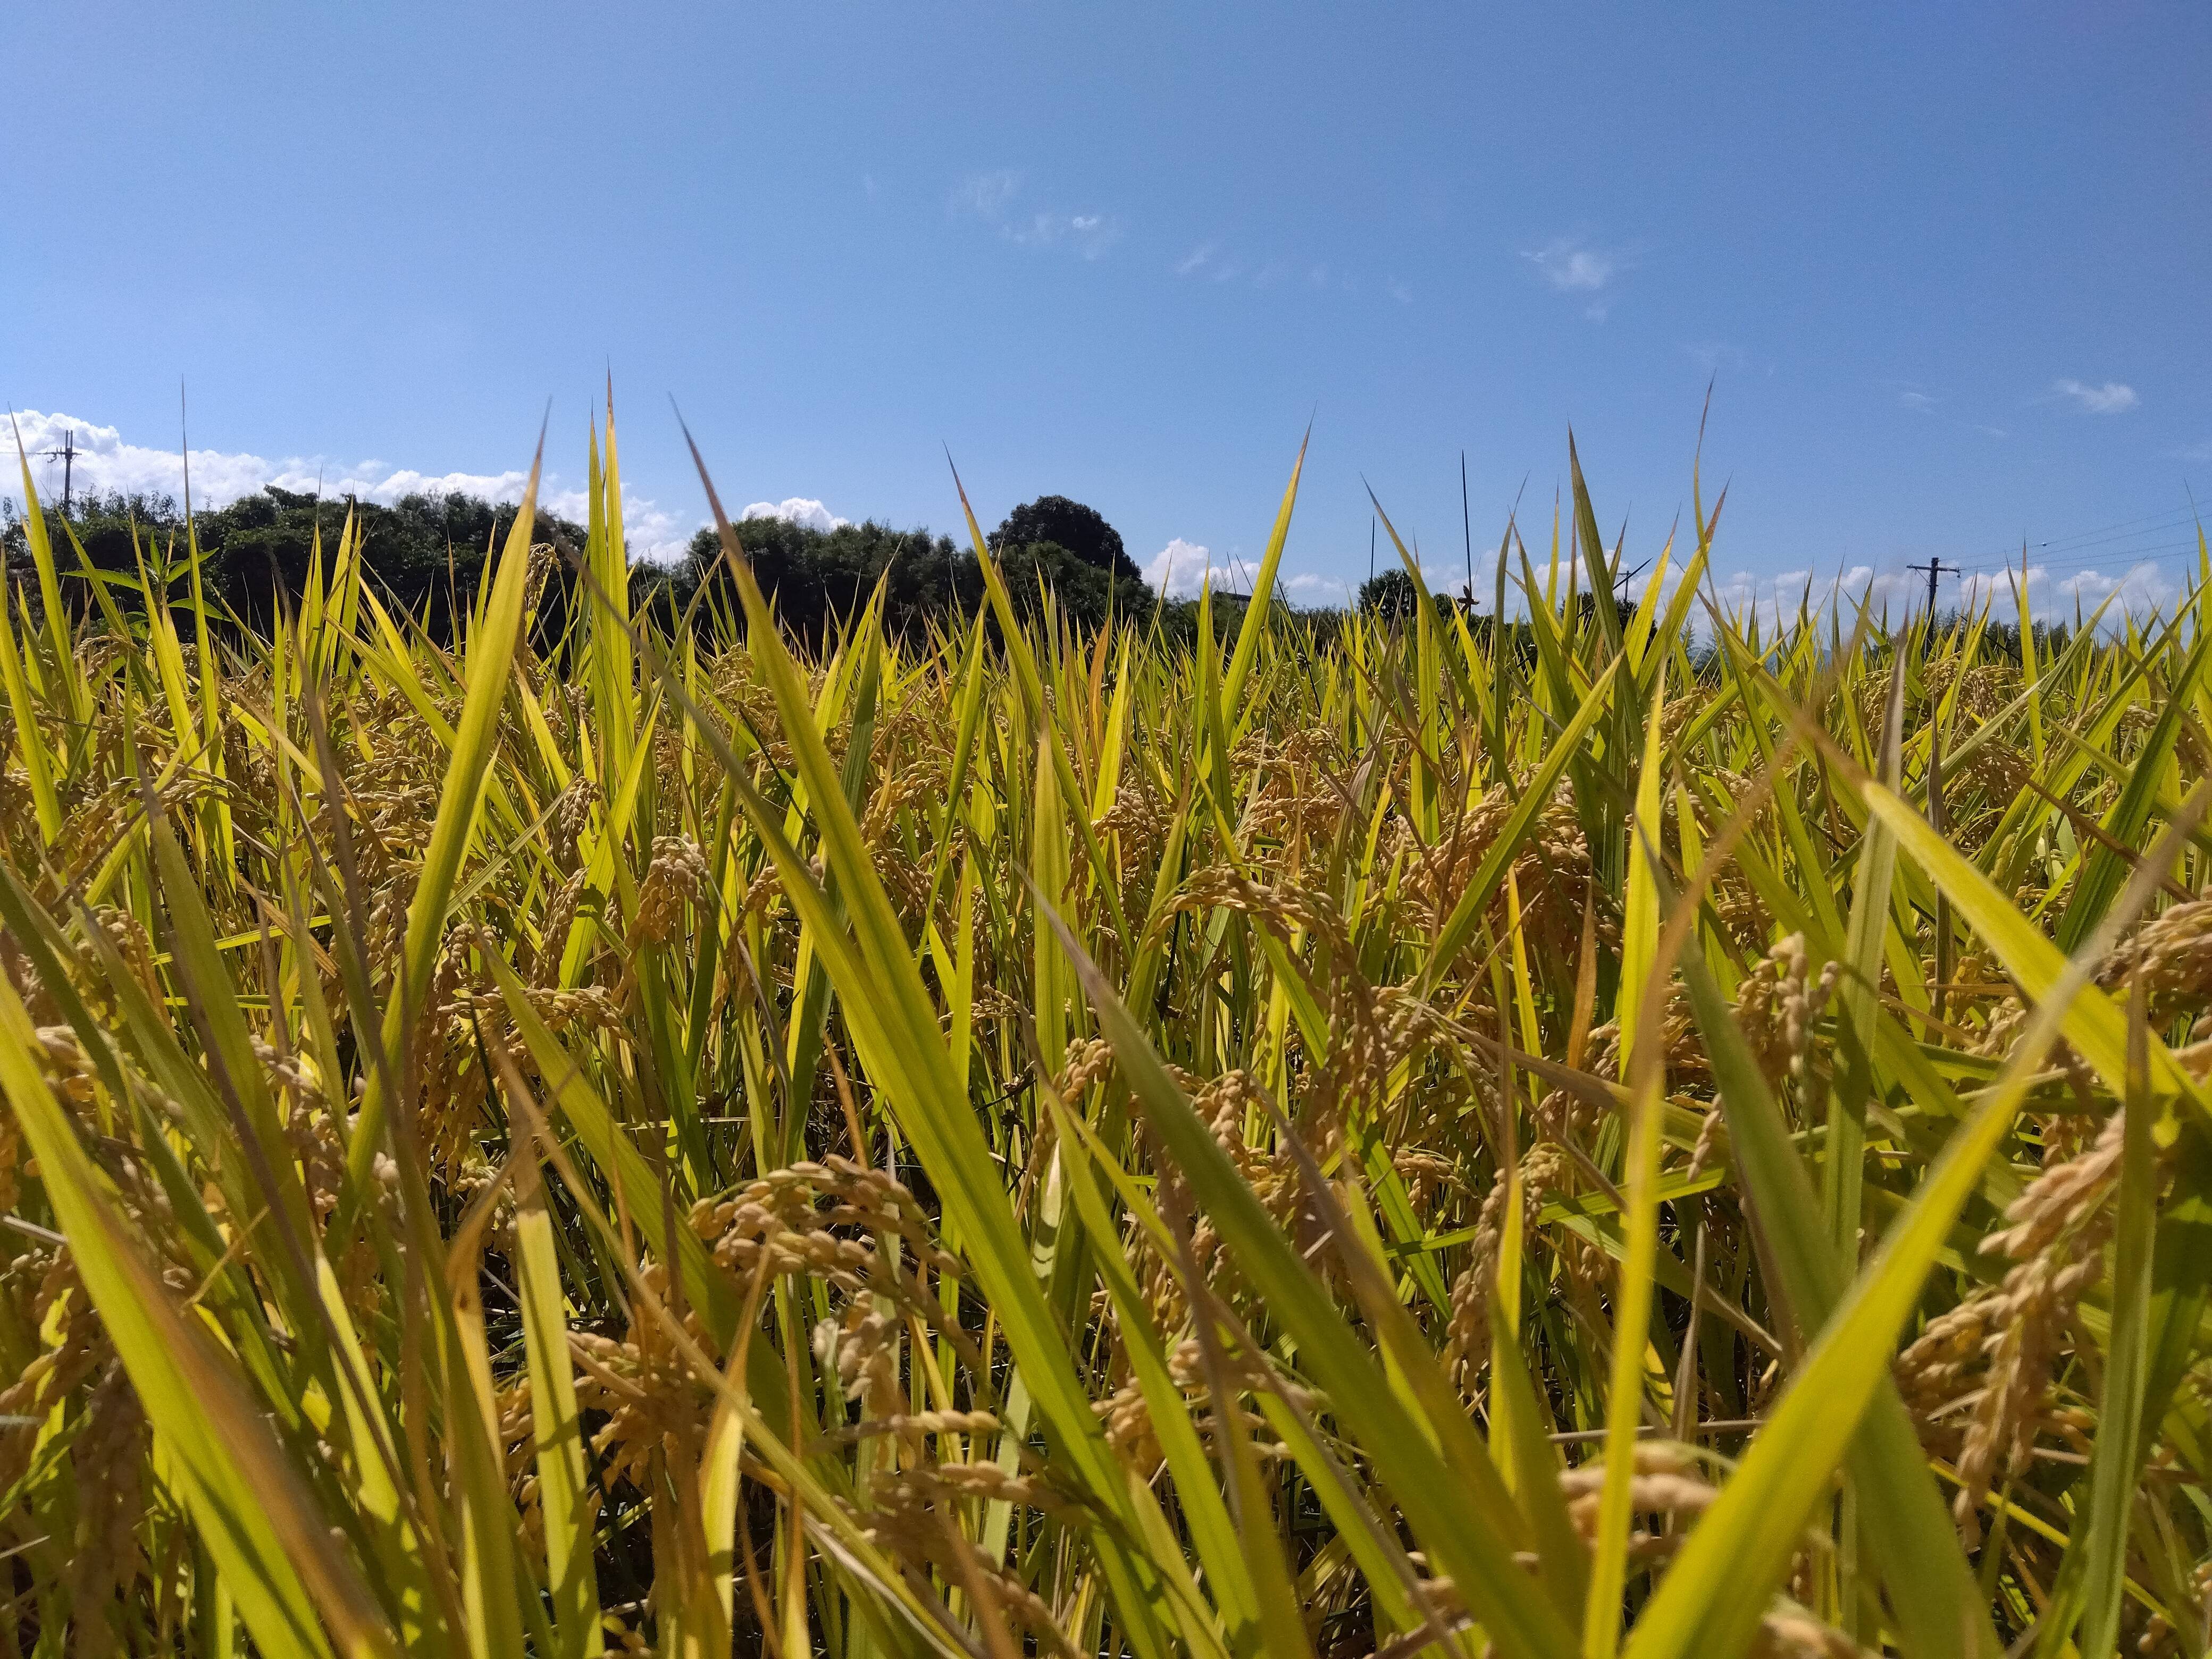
(1391,596)
(1085,537)
(424,548)
(818,577)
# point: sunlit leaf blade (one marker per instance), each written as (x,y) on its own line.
(252,1511)
(1436,1504)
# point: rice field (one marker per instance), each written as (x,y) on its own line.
(1639,1131)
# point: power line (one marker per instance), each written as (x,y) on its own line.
(2121,556)
(2122,524)
(2120,547)
(2171,521)
(2122,531)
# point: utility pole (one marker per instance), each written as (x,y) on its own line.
(1937,818)
(1466,535)
(1935,567)
(67,456)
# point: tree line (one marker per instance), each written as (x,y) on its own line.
(427,553)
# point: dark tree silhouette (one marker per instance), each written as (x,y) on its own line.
(1076,529)
(263,544)
(1391,595)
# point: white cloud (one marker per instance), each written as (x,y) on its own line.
(986,195)
(799,510)
(2196,454)
(1213,262)
(1572,267)
(1398,291)
(990,197)
(1088,233)
(2141,591)
(2110,398)
(1180,569)
(1775,597)
(1930,405)
(1310,588)
(106,464)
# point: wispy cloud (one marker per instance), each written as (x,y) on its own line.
(796,509)
(986,195)
(994,197)
(1576,265)
(2110,398)
(1197,259)
(1930,405)
(1309,587)
(1215,261)
(106,464)
(1572,267)
(2196,454)
(1088,233)
(1211,261)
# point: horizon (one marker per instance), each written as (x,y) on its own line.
(1891,600)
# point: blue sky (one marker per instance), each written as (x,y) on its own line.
(1946,266)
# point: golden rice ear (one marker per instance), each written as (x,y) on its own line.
(1615,1126)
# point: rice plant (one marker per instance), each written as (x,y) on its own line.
(1634,1132)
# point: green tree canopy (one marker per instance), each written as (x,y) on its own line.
(1076,529)
(815,575)
(1391,595)
(262,544)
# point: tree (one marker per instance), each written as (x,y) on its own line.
(814,575)
(1391,596)
(260,546)
(1084,592)
(1073,527)
(264,543)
